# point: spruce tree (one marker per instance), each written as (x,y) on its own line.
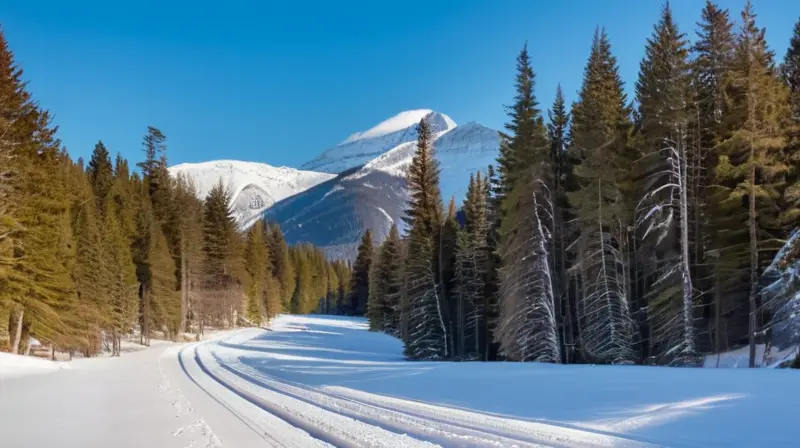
(599,142)
(563,181)
(101,176)
(662,215)
(428,336)
(713,224)
(281,265)
(122,280)
(752,161)
(359,290)
(383,284)
(256,262)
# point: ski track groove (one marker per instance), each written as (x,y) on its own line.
(423,421)
(345,432)
(253,426)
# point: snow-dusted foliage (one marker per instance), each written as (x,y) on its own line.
(527,329)
(427,333)
(662,217)
(605,324)
(782,293)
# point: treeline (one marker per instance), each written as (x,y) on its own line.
(616,231)
(93,252)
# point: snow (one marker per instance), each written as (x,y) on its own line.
(321,381)
(400,121)
(12,366)
(254,186)
(740,357)
(332,371)
(361,147)
(388,217)
(461,151)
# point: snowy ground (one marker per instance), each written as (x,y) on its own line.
(324,381)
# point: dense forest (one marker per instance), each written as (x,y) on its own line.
(611,230)
(615,231)
(92,252)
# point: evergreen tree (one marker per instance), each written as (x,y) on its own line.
(471,272)
(256,262)
(713,55)
(91,275)
(752,161)
(558,134)
(384,285)
(599,141)
(122,280)
(101,175)
(359,290)
(663,93)
(428,336)
(281,265)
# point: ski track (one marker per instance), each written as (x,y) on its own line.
(349,418)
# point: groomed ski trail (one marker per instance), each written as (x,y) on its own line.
(346,418)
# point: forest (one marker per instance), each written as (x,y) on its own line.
(94,252)
(615,230)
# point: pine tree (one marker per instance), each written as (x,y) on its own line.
(191,243)
(752,157)
(91,275)
(281,265)
(599,141)
(38,287)
(558,134)
(384,285)
(428,336)
(471,272)
(256,262)
(101,175)
(713,55)
(161,294)
(122,280)
(359,290)
(663,93)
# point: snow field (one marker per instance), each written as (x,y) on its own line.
(330,370)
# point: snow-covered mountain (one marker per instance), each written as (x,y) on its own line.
(254,186)
(364,146)
(372,193)
(358,184)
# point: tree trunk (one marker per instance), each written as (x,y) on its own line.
(184,289)
(753,262)
(688,321)
(18,332)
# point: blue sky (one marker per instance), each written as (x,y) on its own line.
(279,82)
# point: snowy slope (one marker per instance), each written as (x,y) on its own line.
(334,215)
(461,151)
(254,186)
(362,147)
(347,386)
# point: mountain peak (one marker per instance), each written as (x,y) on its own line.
(403,120)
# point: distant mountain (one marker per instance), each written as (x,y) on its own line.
(254,186)
(364,146)
(335,214)
(358,184)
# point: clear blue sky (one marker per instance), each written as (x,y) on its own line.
(278,82)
